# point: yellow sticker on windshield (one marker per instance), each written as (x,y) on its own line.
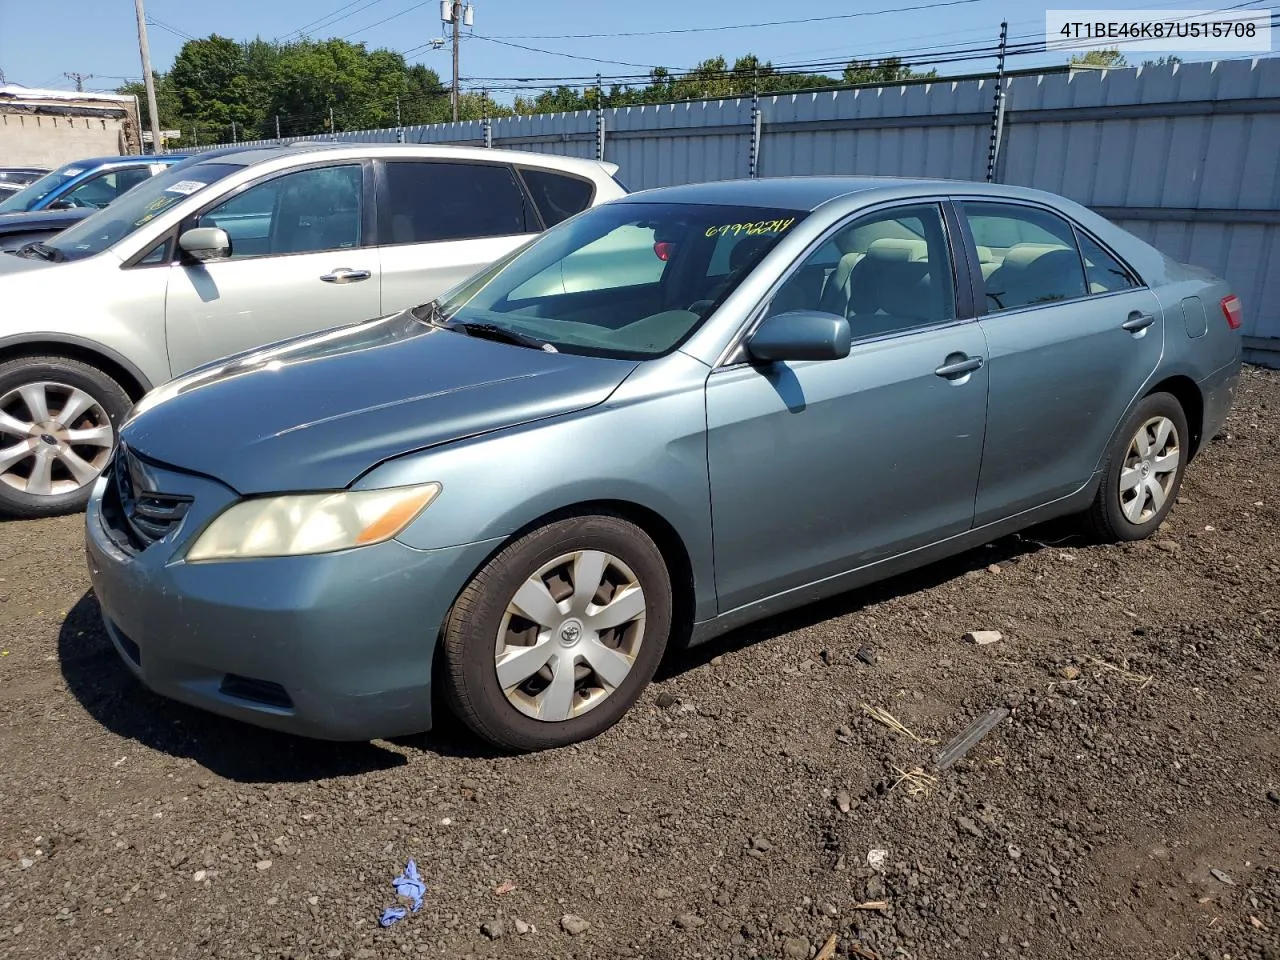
(759,228)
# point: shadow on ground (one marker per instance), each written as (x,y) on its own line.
(1001,551)
(228,748)
(241,752)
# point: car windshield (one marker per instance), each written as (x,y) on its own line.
(33,193)
(626,280)
(136,208)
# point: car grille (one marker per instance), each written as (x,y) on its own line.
(134,511)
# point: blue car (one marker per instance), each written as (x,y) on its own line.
(89,184)
(55,201)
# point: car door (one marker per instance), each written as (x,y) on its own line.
(440,222)
(298,264)
(1073,337)
(821,467)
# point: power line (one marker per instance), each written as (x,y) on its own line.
(735,26)
(385,19)
(169,28)
(574,56)
(330,19)
(812,68)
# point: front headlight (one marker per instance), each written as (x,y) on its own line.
(311,522)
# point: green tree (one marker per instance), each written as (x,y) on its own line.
(166,102)
(214,88)
(1109,57)
(888,70)
(1161,61)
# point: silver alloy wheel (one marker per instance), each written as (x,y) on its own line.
(54,439)
(570,635)
(1149,469)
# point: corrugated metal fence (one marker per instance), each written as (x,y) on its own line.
(1185,156)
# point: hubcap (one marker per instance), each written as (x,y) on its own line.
(54,439)
(1149,469)
(570,635)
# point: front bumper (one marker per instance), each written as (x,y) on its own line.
(336,646)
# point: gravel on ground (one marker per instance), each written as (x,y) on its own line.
(771,790)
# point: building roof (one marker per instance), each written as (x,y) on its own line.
(15,93)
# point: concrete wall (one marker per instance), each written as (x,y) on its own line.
(32,139)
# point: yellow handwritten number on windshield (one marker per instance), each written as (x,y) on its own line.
(756,229)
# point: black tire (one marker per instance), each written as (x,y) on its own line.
(104,391)
(471,631)
(1105,521)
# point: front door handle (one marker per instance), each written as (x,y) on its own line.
(1138,321)
(346,275)
(955,369)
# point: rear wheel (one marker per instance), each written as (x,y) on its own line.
(58,421)
(556,637)
(1142,473)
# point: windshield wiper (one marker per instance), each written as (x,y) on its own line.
(491,331)
(431,313)
(41,250)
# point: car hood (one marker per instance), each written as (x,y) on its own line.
(12,265)
(40,220)
(316,412)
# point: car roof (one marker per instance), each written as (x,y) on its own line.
(809,193)
(133,158)
(346,149)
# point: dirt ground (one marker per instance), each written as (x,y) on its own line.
(1128,807)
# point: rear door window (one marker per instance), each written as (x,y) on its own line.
(1028,256)
(427,201)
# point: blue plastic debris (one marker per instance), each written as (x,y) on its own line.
(391,915)
(410,886)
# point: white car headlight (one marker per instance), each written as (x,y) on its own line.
(311,522)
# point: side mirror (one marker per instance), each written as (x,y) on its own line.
(205,243)
(800,335)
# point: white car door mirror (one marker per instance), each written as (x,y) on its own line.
(205,243)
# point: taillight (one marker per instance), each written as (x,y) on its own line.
(1232,311)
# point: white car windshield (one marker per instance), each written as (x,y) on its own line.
(627,279)
(136,209)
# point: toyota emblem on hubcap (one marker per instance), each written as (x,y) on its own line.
(570,632)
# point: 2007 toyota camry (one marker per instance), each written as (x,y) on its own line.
(668,416)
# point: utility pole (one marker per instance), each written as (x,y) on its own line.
(456,13)
(331,129)
(277,128)
(78,79)
(157,145)
(234,139)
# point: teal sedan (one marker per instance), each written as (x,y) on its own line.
(666,417)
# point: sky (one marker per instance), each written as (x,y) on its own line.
(99,37)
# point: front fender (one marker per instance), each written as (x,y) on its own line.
(646,446)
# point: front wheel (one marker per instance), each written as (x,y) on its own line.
(58,420)
(1142,473)
(556,636)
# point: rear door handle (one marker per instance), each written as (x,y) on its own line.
(955,369)
(346,275)
(1138,321)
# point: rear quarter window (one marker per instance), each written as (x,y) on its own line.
(557,196)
